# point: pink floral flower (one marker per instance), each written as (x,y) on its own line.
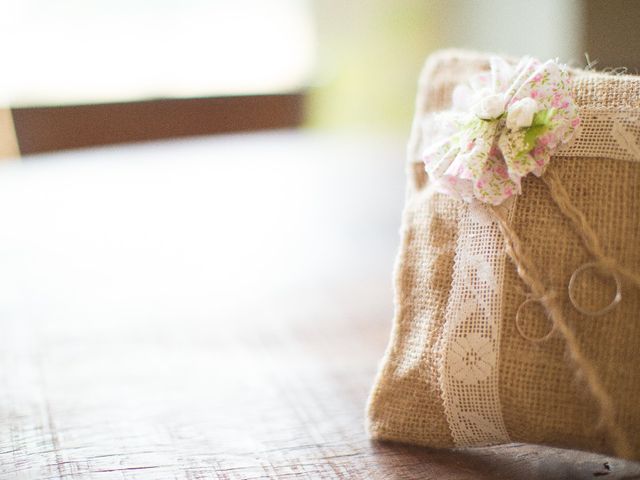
(471,154)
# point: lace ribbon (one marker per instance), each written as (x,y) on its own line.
(470,343)
(602,132)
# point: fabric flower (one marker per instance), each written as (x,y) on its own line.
(520,114)
(489,106)
(503,125)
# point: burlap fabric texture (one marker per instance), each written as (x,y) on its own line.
(540,396)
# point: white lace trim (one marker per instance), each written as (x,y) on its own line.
(470,343)
(606,133)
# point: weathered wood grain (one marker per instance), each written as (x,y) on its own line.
(212,308)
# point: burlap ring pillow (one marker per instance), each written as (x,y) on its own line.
(518,318)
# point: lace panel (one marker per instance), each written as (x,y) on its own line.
(606,133)
(469,347)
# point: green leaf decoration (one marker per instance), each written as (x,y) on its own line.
(540,125)
(543,117)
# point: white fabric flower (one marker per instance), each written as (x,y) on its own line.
(520,113)
(489,106)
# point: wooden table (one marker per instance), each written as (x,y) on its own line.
(212,308)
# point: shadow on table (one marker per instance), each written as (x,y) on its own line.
(516,460)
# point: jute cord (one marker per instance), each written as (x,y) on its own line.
(550,300)
(584,230)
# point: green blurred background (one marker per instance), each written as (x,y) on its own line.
(370,51)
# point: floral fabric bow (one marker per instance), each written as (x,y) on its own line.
(504,124)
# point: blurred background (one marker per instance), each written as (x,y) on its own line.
(256,64)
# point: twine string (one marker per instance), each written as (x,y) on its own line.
(583,229)
(550,300)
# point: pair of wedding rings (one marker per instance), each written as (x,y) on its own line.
(572,298)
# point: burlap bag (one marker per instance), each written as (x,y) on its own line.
(536,393)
